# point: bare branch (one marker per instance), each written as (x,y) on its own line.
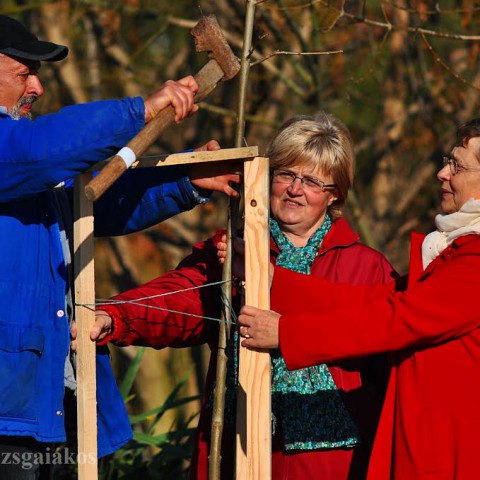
(234,40)
(446,66)
(225,112)
(376,58)
(389,26)
(422,31)
(306,5)
(436,11)
(278,52)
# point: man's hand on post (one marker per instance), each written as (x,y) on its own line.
(215,175)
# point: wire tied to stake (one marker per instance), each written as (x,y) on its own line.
(139,301)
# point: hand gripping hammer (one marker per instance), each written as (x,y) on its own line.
(223,65)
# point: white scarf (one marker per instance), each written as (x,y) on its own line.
(450,227)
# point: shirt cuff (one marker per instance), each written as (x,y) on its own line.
(200,195)
(117,325)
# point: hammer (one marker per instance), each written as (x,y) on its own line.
(223,65)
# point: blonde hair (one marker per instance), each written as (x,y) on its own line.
(321,142)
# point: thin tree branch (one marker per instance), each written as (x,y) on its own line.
(225,112)
(446,66)
(431,33)
(390,26)
(436,11)
(214,459)
(233,40)
(278,52)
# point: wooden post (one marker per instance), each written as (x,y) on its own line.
(253,417)
(85,318)
(254,451)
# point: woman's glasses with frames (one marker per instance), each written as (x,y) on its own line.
(456,167)
(311,184)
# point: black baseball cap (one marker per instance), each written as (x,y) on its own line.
(16,41)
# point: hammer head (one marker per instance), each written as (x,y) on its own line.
(210,38)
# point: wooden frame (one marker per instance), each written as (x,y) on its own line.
(253,457)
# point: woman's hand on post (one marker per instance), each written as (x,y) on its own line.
(177,93)
(259,328)
(101,328)
(238,264)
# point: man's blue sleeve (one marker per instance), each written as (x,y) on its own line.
(143,197)
(37,155)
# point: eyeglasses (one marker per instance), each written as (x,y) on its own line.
(311,184)
(455,167)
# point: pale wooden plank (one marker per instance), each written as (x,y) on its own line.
(253,454)
(225,154)
(85,318)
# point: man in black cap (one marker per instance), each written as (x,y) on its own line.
(17,41)
(37,160)
(22,53)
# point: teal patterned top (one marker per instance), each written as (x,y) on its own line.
(307,401)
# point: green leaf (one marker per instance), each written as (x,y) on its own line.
(160,410)
(131,373)
(158,440)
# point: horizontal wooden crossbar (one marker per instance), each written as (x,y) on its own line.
(230,154)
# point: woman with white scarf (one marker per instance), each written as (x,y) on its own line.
(431,415)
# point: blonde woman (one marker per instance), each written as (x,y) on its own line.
(324,418)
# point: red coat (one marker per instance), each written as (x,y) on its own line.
(341,259)
(431,417)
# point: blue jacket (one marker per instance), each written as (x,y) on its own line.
(35,156)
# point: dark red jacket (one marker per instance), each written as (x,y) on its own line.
(341,258)
(431,417)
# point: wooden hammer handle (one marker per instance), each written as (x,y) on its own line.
(207,79)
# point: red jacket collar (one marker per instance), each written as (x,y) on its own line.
(340,235)
(416,263)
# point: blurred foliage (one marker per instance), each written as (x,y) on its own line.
(152,455)
(401,74)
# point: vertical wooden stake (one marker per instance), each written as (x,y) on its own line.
(254,450)
(85,318)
